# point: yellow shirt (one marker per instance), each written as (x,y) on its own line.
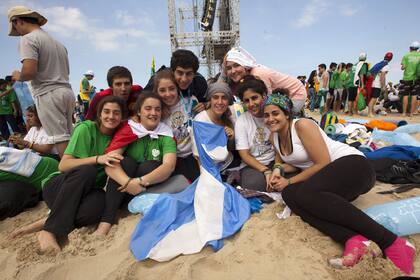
(84,86)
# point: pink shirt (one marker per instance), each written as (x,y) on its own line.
(276,80)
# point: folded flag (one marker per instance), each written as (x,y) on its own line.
(203,214)
(131,131)
(21,162)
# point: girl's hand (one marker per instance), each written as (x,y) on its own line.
(134,187)
(199,107)
(229,133)
(109,159)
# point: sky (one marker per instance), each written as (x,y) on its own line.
(292,37)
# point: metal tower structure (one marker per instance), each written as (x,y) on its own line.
(209,29)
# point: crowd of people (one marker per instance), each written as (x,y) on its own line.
(339,87)
(132,139)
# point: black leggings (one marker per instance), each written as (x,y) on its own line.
(114,198)
(323,201)
(74,200)
(15,197)
(188,167)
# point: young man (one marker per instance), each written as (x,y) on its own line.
(185,64)
(333,75)
(86,89)
(410,84)
(351,87)
(379,72)
(8,110)
(120,84)
(323,85)
(44,63)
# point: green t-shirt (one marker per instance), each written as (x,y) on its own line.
(147,148)
(44,169)
(333,80)
(350,81)
(344,76)
(88,141)
(410,62)
(6,103)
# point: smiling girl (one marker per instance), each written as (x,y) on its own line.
(333,174)
(179,117)
(252,136)
(75,197)
(219,97)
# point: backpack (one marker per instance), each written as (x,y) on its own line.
(327,119)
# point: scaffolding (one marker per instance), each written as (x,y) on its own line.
(209,29)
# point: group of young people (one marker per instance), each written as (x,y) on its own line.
(135,140)
(340,86)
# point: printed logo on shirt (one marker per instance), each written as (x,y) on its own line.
(155,154)
(179,127)
(263,146)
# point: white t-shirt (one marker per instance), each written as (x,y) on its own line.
(179,122)
(204,117)
(377,82)
(300,158)
(251,134)
(39,136)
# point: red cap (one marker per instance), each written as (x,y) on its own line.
(388,56)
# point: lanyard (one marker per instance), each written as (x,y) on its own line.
(187,106)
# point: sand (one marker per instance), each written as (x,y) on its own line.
(265,248)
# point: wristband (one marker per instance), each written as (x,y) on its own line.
(279,167)
(31,145)
(96,160)
(289,182)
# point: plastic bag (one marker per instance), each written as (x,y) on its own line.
(361,102)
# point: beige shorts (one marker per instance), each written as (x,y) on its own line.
(55,111)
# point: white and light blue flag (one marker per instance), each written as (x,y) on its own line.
(203,214)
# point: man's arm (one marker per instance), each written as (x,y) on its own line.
(28,72)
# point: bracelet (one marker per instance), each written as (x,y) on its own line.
(128,181)
(96,160)
(31,145)
(289,182)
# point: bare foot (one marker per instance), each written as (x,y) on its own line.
(47,241)
(36,226)
(103,229)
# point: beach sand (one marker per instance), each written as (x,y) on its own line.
(265,248)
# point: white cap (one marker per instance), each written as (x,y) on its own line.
(362,56)
(415,45)
(89,73)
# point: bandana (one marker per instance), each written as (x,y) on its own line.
(241,56)
(279,100)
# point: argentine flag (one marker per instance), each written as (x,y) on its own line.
(203,214)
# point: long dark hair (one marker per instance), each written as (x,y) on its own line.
(311,79)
